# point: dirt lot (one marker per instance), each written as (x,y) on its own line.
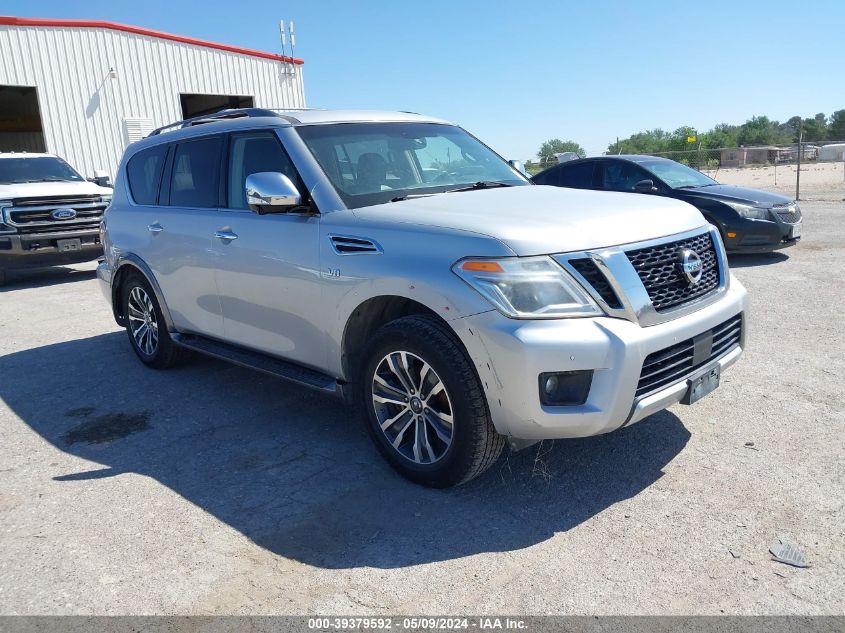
(819,181)
(213,489)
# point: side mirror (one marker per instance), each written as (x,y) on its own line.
(271,192)
(517,165)
(101,178)
(645,186)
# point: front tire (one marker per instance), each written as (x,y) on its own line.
(146,327)
(424,406)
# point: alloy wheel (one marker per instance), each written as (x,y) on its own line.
(412,407)
(142,320)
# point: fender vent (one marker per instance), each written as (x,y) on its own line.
(348,245)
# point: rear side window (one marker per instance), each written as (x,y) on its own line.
(577,175)
(548,177)
(195,180)
(144,174)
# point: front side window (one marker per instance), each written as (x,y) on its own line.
(143,171)
(195,180)
(36,169)
(252,153)
(374,163)
(622,176)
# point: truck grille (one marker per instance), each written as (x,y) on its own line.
(676,363)
(659,270)
(33,215)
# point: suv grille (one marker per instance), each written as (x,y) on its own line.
(587,268)
(659,269)
(33,215)
(675,363)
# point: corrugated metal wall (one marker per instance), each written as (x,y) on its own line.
(83,109)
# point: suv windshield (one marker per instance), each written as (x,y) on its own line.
(677,175)
(374,163)
(36,169)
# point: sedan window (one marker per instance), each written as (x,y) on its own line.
(622,176)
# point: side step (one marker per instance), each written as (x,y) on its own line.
(261,362)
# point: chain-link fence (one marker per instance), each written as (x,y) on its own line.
(822,165)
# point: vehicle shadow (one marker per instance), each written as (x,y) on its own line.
(757,259)
(41,277)
(292,469)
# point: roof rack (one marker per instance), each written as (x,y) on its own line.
(222,115)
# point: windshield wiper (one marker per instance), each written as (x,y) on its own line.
(481,184)
(411,196)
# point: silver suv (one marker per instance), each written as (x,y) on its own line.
(396,261)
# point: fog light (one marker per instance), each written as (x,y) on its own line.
(565,388)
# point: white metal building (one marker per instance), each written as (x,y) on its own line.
(86,89)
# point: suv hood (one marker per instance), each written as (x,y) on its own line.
(63,188)
(540,220)
(743,195)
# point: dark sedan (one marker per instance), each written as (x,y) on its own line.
(751,221)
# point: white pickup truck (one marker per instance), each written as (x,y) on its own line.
(49,213)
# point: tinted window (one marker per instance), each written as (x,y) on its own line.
(622,176)
(144,173)
(252,153)
(195,181)
(548,177)
(577,175)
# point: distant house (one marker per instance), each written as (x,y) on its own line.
(740,156)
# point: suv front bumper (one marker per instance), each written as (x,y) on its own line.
(511,354)
(34,250)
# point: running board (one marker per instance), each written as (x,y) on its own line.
(255,360)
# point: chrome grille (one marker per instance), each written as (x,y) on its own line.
(659,270)
(676,363)
(34,215)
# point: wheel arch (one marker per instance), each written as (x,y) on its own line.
(128,265)
(372,314)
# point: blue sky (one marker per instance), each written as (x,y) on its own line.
(516,75)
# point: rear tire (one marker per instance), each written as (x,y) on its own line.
(2,277)
(145,325)
(424,406)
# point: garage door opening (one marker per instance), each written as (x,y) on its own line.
(20,120)
(197,105)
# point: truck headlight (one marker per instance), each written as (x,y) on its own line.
(749,212)
(527,287)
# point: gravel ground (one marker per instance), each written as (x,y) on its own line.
(212,489)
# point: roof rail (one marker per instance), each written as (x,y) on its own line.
(222,115)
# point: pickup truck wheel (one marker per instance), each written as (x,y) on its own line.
(2,277)
(424,405)
(146,327)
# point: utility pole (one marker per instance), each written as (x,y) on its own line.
(798,171)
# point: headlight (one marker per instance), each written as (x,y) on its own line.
(749,212)
(527,287)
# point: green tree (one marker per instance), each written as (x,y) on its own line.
(556,146)
(815,129)
(836,127)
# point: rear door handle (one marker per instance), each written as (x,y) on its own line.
(155,227)
(226,236)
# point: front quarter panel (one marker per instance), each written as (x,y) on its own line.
(415,263)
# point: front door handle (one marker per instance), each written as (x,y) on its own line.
(155,227)
(226,236)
